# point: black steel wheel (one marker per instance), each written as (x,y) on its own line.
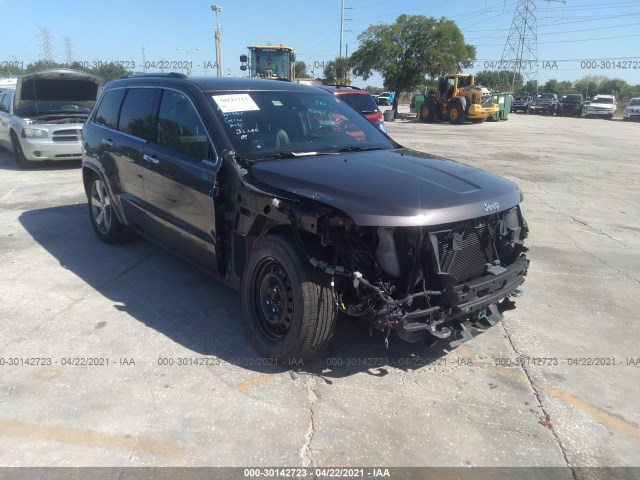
(104,220)
(286,302)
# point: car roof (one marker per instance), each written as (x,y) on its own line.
(211,84)
(344,90)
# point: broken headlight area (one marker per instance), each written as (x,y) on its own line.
(427,282)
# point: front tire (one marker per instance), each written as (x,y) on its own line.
(455,114)
(287,305)
(104,220)
(21,160)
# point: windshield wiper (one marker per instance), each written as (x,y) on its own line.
(355,148)
(290,154)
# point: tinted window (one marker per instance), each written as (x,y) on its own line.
(136,116)
(107,113)
(179,126)
(362,103)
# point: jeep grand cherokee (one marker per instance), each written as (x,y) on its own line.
(288,194)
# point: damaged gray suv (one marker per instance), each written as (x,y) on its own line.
(287,194)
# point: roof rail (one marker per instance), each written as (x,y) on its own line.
(344,86)
(170,75)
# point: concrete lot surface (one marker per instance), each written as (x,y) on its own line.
(555,384)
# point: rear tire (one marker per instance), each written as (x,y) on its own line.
(21,160)
(426,112)
(287,305)
(104,220)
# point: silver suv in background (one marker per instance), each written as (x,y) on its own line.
(632,110)
(42,118)
(601,106)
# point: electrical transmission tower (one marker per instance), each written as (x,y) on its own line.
(47,49)
(520,55)
(68,48)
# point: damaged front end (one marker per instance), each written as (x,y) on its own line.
(424,282)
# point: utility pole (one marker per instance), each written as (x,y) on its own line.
(217,10)
(342,20)
(144,60)
(520,54)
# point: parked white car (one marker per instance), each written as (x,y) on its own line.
(601,106)
(42,118)
(632,110)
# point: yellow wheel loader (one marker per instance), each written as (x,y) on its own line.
(458,99)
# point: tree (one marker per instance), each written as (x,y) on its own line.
(405,52)
(336,72)
(109,71)
(551,86)
(301,70)
(498,80)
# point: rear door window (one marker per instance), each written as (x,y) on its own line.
(109,108)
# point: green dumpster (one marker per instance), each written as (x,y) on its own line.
(503,100)
(416,103)
(508,100)
(494,117)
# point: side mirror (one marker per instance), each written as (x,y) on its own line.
(243,58)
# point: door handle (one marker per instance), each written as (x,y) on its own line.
(150,159)
(107,142)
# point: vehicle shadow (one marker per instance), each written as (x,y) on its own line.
(193,309)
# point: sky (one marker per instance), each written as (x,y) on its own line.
(575,38)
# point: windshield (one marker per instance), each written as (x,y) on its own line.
(270,62)
(545,95)
(603,100)
(572,98)
(269,124)
(634,102)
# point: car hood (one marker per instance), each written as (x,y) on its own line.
(59,85)
(391,187)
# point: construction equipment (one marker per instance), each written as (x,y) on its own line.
(269,61)
(458,99)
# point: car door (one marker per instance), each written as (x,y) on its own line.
(6,100)
(180,172)
(136,123)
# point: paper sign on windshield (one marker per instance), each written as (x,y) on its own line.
(239,102)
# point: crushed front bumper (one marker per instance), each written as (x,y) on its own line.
(466,300)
